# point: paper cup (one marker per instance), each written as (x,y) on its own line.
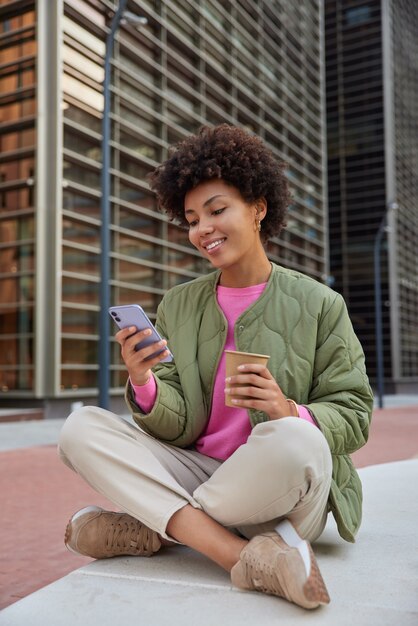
(233,360)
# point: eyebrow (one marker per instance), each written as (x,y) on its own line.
(207,203)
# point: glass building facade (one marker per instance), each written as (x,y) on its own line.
(402,29)
(372,125)
(257,65)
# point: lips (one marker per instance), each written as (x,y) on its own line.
(213,245)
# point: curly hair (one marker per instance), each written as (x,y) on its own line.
(233,155)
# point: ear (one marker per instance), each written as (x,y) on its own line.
(261,208)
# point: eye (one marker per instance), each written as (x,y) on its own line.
(192,223)
(218,211)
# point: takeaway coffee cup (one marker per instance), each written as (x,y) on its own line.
(234,359)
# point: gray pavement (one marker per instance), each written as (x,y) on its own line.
(398,401)
(15,435)
(374,581)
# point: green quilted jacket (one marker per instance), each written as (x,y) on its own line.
(315,357)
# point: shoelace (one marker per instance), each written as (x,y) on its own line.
(126,534)
(264,577)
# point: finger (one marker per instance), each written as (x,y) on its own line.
(256,368)
(251,403)
(257,393)
(152,362)
(136,337)
(255,380)
(144,354)
(122,335)
(125,334)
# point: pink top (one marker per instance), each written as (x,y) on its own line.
(227,427)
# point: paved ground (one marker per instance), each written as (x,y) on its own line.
(39,494)
(372,583)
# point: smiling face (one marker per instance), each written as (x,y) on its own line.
(223,226)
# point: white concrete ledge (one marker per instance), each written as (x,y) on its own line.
(374,581)
(17,435)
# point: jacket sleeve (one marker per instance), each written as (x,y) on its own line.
(340,398)
(167,419)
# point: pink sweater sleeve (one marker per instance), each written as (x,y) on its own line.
(305,415)
(145,394)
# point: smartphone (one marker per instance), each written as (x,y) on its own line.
(134,315)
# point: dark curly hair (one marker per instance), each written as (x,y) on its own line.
(233,155)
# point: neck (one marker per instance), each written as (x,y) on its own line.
(240,277)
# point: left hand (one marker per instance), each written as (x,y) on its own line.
(263,391)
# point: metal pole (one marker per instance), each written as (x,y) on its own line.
(104,325)
(378,312)
(392,206)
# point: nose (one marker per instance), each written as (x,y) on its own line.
(205,226)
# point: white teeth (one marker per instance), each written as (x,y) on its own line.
(214,244)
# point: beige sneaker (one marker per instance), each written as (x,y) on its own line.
(269,564)
(102,534)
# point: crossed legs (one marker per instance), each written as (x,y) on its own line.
(282,472)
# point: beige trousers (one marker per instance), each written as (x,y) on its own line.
(283,471)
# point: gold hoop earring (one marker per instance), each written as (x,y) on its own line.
(259,225)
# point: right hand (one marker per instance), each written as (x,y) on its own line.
(139,370)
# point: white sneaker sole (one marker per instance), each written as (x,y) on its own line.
(87,509)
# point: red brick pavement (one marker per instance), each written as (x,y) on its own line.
(39,495)
(393,437)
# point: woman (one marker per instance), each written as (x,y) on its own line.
(250,486)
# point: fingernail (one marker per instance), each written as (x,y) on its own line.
(241,367)
(147,331)
(228,380)
(132,329)
(227,390)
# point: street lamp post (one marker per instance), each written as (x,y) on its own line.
(378,303)
(121,16)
